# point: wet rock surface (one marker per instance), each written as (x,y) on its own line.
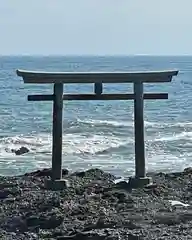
(95,208)
(20,151)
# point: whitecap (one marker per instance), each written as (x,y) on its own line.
(131,123)
(174,137)
(72,143)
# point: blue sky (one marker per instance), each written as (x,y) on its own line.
(102,27)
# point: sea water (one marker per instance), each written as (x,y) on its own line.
(95,133)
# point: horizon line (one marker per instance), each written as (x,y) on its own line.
(95,55)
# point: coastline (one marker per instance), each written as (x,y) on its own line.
(94,207)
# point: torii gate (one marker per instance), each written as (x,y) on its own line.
(98,79)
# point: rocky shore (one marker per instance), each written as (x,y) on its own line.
(95,207)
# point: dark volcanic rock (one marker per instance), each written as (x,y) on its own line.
(44,222)
(46,172)
(188,170)
(95,208)
(20,151)
(4,194)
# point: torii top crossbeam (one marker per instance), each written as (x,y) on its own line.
(96,77)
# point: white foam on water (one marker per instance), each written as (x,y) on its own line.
(72,143)
(174,137)
(80,149)
(116,123)
(131,123)
(90,144)
(159,159)
(15,142)
(107,122)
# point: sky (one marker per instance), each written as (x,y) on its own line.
(101,27)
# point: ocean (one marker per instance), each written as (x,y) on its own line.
(95,133)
